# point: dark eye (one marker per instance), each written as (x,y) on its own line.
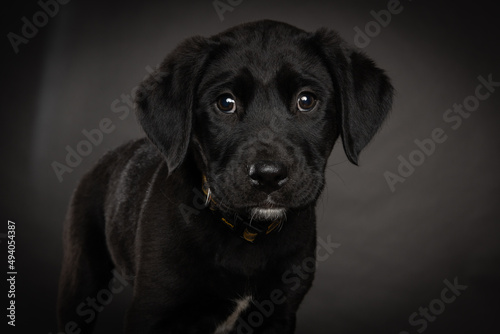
(306,101)
(226,103)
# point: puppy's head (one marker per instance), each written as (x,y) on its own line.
(260,107)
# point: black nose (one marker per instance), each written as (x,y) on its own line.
(268,175)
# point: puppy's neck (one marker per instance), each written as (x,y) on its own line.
(249,229)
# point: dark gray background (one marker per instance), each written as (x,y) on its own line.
(396,249)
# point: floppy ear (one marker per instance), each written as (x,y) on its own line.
(363,92)
(164,101)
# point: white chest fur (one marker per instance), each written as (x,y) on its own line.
(228,324)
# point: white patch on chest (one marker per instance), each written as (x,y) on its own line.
(228,324)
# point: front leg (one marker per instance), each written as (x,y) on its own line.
(146,318)
(274,312)
(159,307)
(266,318)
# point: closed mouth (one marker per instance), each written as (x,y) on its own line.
(261,213)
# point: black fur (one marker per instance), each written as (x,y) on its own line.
(140,210)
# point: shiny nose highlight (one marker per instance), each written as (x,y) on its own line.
(268,176)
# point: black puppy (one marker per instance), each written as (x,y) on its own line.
(212,219)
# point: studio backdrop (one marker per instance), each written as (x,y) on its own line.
(408,241)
